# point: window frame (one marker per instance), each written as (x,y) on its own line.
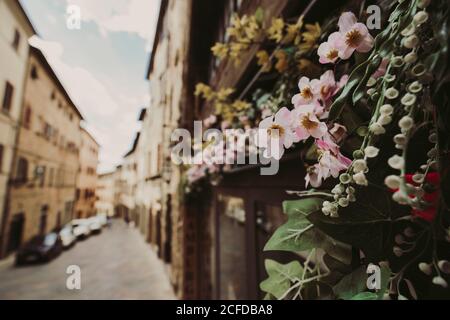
(8,96)
(16,40)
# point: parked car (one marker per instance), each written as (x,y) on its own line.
(81,228)
(102,219)
(68,237)
(95,225)
(41,248)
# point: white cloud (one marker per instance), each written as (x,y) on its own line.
(111,118)
(134,16)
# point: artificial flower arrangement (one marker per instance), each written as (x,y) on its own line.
(378,140)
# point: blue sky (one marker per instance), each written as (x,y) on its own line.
(102,65)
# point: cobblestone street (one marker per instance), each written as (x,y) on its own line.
(117,264)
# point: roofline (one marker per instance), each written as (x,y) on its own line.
(142,114)
(90,136)
(106,174)
(135,144)
(162,12)
(22,10)
(38,53)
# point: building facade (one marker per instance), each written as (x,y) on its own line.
(182,43)
(15,29)
(46,165)
(87,176)
(129,177)
(105,194)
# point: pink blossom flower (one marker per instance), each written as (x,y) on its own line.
(342,82)
(266,113)
(329,51)
(331,162)
(243,118)
(224,125)
(306,124)
(356,36)
(208,122)
(324,87)
(275,134)
(195,173)
(306,94)
(338,132)
(314,176)
(381,71)
(326,143)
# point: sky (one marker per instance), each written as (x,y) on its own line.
(102,65)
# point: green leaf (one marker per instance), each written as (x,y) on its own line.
(351,284)
(365,296)
(302,206)
(281,277)
(363,224)
(259,15)
(385,276)
(297,234)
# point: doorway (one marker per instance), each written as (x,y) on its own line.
(16,232)
(168,239)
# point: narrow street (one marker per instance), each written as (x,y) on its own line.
(117,264)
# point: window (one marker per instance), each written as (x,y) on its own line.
(33,72)
(16,40)
(48,131)
(27,118)
(160,158)
(53,95)
(1,158)
(51,175)
(42,177)
(22,170)
(43,220)
(7,98)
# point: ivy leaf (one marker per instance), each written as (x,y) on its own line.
(297,234)
(363,224)
(281,277)
(302,206)
(365,296)
(351,284)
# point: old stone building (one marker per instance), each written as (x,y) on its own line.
(87,176)
(105,194)
(15,29)
(177,62)
(44,173)
(166,69)
(129,176)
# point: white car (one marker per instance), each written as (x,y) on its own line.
(67,236)
(102,219)
(81,228)
(94,225)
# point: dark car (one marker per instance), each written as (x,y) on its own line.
(42,248)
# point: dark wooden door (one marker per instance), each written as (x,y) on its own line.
(16,232)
